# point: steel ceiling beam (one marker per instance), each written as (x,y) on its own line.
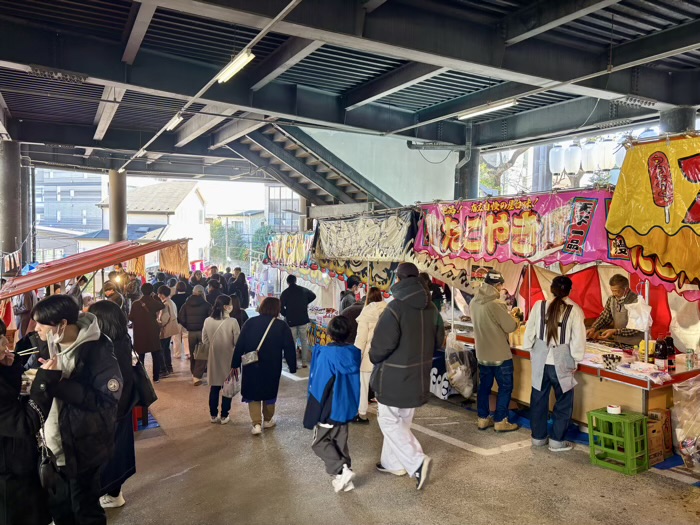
(289,54)
(277,174)
(138,31)
(200,124)
(236,129)
(371,5)
(403,32)
(102,161)
(75,136)
(347,171)
(657,46)
(5,115)
(299,166)
(107,110)
(546,15)
(155,74)
(556,121)
(396,80)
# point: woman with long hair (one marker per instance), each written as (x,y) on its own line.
(366,322)
(122,465)
(556,339)
(237,312)
(220,332)
(271,339)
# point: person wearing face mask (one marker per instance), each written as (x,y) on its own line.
(220,332)
(81,423)
(612,323)
(492,324)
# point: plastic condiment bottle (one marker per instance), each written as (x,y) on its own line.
(661,356)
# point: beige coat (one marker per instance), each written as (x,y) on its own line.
(221,335)
(167,319)
(366,323)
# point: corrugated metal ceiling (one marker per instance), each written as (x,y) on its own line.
(48,100)
(140,111)
(337,69)
(102,18)
(438,89)
(203,39)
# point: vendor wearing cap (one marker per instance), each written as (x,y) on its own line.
(492,324)
(612,323)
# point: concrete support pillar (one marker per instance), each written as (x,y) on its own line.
(117,206)
(467,175)
(32,217)
(25,207)
(303,214)
(10,197)
(678,120)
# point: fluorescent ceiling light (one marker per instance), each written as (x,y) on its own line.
(482,110)
(233,67)
(121,170)
(140,153)
(174,122)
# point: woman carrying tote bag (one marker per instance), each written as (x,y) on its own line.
(220,333)
(271,339)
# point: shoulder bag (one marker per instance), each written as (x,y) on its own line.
(48,465)
(201,349)
(144,395)
(252,357)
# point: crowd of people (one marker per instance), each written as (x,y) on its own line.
(84,386)
(80,359)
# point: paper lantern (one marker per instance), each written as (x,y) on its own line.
(607,161)
(572,159)
(590,157)
(556,160)
(620,155)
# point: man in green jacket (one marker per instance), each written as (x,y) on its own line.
(492,324)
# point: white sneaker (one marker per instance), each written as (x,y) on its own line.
(110,502)
(216,419)
(269,424)
(225,420)
(196,382)
(350,486)
(343,479)
(257,430)
(563,446)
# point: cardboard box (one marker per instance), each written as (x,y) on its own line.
(655,440)
(664,416)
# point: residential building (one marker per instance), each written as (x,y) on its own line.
(68,200)
(282,208)
(55,243)
(164,211)
(244,222)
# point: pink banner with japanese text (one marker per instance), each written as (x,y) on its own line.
(566,227)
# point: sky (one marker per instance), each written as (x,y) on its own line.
(222,197)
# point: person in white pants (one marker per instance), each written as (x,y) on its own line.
(402,348)
(366,323)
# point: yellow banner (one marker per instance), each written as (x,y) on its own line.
(656,204)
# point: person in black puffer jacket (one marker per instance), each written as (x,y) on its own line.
(22,499)
(192,317)
(122,465)
(82,420)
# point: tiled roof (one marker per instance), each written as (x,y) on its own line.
(164,197)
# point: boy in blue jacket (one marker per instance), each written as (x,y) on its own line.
(334,395)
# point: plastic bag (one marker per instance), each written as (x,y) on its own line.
(686,421)
(232,385)
(460,370)
(639,315)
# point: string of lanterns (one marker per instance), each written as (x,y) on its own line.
(604,155)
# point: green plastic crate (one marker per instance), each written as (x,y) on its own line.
(618,442)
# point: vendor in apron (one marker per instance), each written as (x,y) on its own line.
(556,338)
(612,323)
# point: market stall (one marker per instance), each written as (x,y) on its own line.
(544,235)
